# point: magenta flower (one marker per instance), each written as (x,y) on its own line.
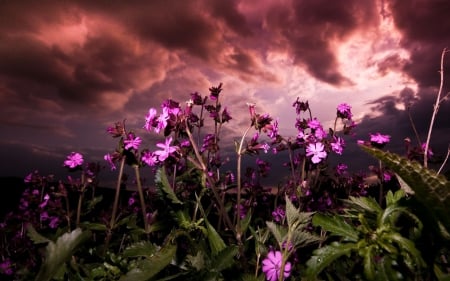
(300,106)
(337,145)
(341,168)
(317,151)
(272,266)
(54,222)
(278,214)
(378,140)
(273,131)
(344,111)
(149,158)
(162,120)
(320,133)
(132,142)
(166,150)
(74,160)
(6,267)
(110,161)
(314,124)
(150,119)
(251,110)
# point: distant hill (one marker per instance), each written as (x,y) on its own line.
(11,189)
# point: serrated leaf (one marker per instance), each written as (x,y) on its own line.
(301,238)
(364,204)
(430,189)
(277,231)
(324,256)
(140,249)
(295,218)
(162,182)
(215,241)
(197,261)
(35,236)
(60,252)
(224,259)
(151,266)
(94,226)
(336,225)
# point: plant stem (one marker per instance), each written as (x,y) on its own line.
(200,164)
(435,110)
(116,198)
(141,197)
(419,142)
(80,198)
(380,196)
(445,161)
(239,186)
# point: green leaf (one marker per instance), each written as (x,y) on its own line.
(162,182)
(60,252)
(94,226)
(197,261)
(151,266)
(324,256)
(140,249)
(364,204)
(295,218)
(337,226)
(224,259)
(430,189)
(407,245)
(215,241)
(35,236)
(277,231)
(369,263)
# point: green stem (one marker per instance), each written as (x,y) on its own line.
(200,163)
(141,198)
(116,198)
(80,198)
(239,185)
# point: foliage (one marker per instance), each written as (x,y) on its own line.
(198,221)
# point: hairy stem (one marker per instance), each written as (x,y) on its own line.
(445,161)
(200,163)
(141,198)
(116,198)
(239,185)
(435,110)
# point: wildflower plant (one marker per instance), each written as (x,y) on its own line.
(201,220)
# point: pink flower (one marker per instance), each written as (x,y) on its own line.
(317,151)
(162,120)
(150,118)
(344,111)
(320,133)
(166,150)
(337,145)
(149,158)
(74,160)
(379,138)
(272,266)
(110,161)
(132,142)
(314,124)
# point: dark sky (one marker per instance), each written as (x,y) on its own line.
(69,69)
